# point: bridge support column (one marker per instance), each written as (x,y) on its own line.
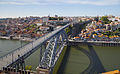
(23,65)
(42,71)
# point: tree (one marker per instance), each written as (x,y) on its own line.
(105,20)
(28,67)
(53,18)
(60,18)
(80,21)
(96,19)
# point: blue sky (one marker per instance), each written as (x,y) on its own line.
(16,8)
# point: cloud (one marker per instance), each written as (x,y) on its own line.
(23,2)
(12,3)
(97,2)
(47,2)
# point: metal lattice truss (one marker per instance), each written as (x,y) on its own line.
(54,46)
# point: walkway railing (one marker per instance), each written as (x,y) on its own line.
(21,51)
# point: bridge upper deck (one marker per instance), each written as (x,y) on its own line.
(22,51)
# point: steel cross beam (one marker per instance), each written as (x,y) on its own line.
(15,58)
(54,46)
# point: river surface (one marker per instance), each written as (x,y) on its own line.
(90,60)
(77,61)
(9,45)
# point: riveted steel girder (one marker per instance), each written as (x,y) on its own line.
(53,47)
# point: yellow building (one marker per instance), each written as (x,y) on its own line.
(112,72)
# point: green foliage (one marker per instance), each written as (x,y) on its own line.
(68,29)
(70,26)
(28,67)
(96,18)
(60,18)
(105,20)
(112,33)
(33,25)
(59,61)
(94,32)
(55,18)
(80,21)
(28,28)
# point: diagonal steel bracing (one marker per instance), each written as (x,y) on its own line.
(15,59)
(53,48)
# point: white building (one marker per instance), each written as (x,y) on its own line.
(45,19)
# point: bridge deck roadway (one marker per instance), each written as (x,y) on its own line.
(13,56)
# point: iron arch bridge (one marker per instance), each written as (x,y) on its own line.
(54,41)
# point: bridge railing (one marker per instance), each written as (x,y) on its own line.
(21,51)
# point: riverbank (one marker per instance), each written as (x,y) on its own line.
(17,38)
(95,43)
(3,37)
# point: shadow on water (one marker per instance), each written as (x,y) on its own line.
(90,67)
(95,65)
(64,61)
(98,66)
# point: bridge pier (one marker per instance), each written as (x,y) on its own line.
(42,71)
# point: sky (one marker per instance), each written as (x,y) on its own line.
(22,8)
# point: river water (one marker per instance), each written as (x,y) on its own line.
(77,60)
(8,45)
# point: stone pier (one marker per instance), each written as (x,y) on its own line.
(42,71)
